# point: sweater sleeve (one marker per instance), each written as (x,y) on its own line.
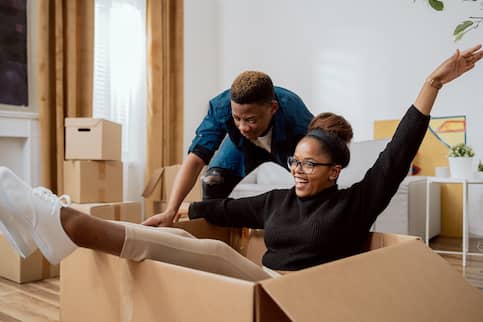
(382,180)
(244,212)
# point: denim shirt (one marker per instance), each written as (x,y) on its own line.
(289,125)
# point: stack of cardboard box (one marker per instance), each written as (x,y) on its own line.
(93,169)
(93,179)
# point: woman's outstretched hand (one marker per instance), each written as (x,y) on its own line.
(457,65)
(450,69)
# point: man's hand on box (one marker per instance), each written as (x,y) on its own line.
(164,219)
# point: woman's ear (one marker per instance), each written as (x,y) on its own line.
(334,172)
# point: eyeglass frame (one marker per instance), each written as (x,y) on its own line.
(303,163)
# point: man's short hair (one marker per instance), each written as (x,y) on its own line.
(252,87)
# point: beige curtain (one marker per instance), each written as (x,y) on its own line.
(164,20)
(66,40)
(165,83)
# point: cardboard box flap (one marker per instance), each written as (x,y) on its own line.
(267,309)
(379,240)
(153,182)
(404,282)
(82,122)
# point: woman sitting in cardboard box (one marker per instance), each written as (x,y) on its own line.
(310,224)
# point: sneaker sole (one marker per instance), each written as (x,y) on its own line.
(22,248)
(22,243)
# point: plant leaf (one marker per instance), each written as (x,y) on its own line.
(459,36)
(462,27)
(437,5)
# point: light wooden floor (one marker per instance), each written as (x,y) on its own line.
(32,302)
(39,301)
(473,272)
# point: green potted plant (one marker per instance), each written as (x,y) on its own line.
(460,159)
(480,170)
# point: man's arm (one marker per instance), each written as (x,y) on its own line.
(184,182)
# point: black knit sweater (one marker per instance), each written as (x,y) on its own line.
(303,232)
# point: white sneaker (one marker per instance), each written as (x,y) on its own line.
(48,232)
(16,212)
(32,216)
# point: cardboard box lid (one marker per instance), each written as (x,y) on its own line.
(403,282)
(84,122)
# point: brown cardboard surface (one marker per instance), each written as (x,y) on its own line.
(186,295)
(153,291)
(92,139)
(120,211)
(160,183)
(90,288)
(158,189)
(88,181)
(404,281)
(267,308)
(253,246)
(20,270)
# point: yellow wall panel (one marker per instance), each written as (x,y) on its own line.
(434,153)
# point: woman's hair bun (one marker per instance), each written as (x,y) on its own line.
(333,123)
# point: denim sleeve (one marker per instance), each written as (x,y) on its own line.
(209,135)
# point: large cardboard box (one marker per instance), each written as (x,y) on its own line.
(92,139)
(399,280)
(120,211)
(20,270)
(93,181)
(158,189)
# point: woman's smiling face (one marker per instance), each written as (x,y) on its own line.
(309,183)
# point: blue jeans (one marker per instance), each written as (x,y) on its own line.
(224,172)
(229,157)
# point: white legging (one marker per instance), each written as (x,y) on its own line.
(177,246)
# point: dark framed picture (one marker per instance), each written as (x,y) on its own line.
(13,52)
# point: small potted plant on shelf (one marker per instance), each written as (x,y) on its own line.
(460,159)
(480,170)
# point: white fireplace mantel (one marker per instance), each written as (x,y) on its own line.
(20,144)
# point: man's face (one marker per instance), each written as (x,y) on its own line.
(253,119)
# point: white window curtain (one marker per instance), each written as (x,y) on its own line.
(120,82)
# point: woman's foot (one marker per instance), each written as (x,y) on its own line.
(32,216)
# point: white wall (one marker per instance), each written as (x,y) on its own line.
(363,59)
(201,61)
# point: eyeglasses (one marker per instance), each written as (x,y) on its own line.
(307,166)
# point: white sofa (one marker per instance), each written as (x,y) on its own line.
(405,214)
